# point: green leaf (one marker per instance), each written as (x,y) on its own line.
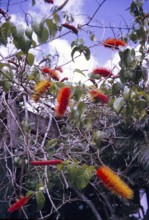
(129,74)
(29,193)
(128,58)
(41,31)
(17,31)
(28,33)
(24,45)
(81,49)
(34,44)
(138,73)
(98,136)
(92,36)
(81,108)
(40,199)
(83,176)
(118,104)
(30,59)
(86,52)
(73,44)
(141,104)
(52,27)
(5,30)
(126,93)
(21,41)
(19,55)
(43,35)
(2,65)
(115,88)
(77,93)
(80,176)
(72,172)
(136,8)
(5,84)
(37,27)
(75,49)
(56,17)
(51,143)
(64,163)
(141,34)
(88,124)
(133,36)
(79,71)
(14,31)
(122,75)
(129,109)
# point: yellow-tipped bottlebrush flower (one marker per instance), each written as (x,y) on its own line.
(113,182)
(40,88)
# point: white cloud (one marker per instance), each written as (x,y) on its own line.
(43,9)
(76,8)
(113,63)
(64,50)
(18,19)
(61,45)
(7,51)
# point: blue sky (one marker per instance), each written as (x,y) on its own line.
(113,13)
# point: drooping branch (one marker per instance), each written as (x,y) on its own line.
(89,203)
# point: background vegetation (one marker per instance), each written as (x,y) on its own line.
(91,133)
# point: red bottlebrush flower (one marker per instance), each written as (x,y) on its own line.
(64,79)
(62,101)
(97,96)
(49,1)
(21,202)
(100,71)
(59,69)
(40,88)
(52,73)
(113,182)
(45,69)
(46,162)
(114,43)
(71,27)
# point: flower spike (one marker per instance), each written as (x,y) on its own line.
(21,202)
(49,1)
(113,182)
(71,27)
(97,96)
(40,88)
(46,162)
(114,43)
(51,72)
(101,72)
(62,101)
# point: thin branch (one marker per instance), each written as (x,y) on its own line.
(89,203)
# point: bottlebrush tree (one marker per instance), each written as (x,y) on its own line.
(68,145)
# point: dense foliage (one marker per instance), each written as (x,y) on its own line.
(55,134)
